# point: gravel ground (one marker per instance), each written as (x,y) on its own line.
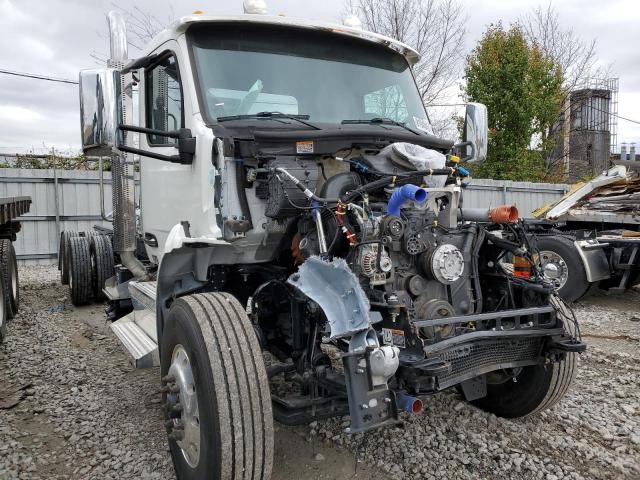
(72,407)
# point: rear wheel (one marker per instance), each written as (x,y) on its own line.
(80,285)
(218,403)
(3,313)
(102,263)
(63,255)
(560,262)
(529,390)
(9,265)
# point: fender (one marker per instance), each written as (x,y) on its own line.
(591,253)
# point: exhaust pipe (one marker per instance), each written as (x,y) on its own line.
(501,214)
(117,36)
(122,171)
(408,403)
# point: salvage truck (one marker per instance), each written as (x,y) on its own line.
(296,221)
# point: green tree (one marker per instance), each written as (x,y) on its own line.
(522,89)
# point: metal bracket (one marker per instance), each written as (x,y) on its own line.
(474,388)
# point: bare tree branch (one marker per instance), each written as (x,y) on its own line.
(435,28)
(576,57)
(142,26)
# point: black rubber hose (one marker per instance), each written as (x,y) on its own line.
(242,194)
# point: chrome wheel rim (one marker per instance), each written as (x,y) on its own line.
(554,267)
(183,395)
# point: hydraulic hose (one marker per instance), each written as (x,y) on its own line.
(408,403)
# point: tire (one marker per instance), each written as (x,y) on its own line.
(63,255)
(231,387)
(576,284)
(9,265)
(102,265)
(80,285)
(3,313)
(538,387)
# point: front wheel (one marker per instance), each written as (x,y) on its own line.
(528,390)
(216,392)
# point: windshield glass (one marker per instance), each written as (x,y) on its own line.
(246,69)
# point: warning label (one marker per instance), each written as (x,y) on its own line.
(305,146)
(393,337)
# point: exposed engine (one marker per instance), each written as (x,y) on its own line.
(381,261)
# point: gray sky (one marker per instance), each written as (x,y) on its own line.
(56,38)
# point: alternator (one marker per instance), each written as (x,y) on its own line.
(445,263)
(377,272)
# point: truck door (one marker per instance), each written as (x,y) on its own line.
(166,189)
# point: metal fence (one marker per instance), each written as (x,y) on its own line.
(60,200)
(70,200)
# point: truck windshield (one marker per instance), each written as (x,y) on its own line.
(245,69)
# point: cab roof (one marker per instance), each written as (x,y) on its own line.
(180,26)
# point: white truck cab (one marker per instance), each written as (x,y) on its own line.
(203,67)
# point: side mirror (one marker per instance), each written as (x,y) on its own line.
(100,110)
(475,136)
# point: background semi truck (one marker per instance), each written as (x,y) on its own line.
(590,238)
(294,220)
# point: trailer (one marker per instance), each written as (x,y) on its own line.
(292,202)
(590,238)
(10,209)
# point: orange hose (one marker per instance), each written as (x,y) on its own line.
(504,214)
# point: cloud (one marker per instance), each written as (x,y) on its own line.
(14,113)
(57,37)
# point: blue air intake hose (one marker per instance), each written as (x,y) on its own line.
(402,194)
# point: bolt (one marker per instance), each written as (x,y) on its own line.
(364,406)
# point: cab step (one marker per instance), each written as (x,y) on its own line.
(137,330)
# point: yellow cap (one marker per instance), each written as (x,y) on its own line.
(454,158)
(198,12)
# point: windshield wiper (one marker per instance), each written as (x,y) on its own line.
(379,121)
(270,115)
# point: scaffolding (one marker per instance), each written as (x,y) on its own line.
(609,115)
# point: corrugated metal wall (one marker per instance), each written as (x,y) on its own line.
(78,203)
(78,207)
(527,196)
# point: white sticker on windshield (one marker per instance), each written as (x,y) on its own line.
(423,124)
